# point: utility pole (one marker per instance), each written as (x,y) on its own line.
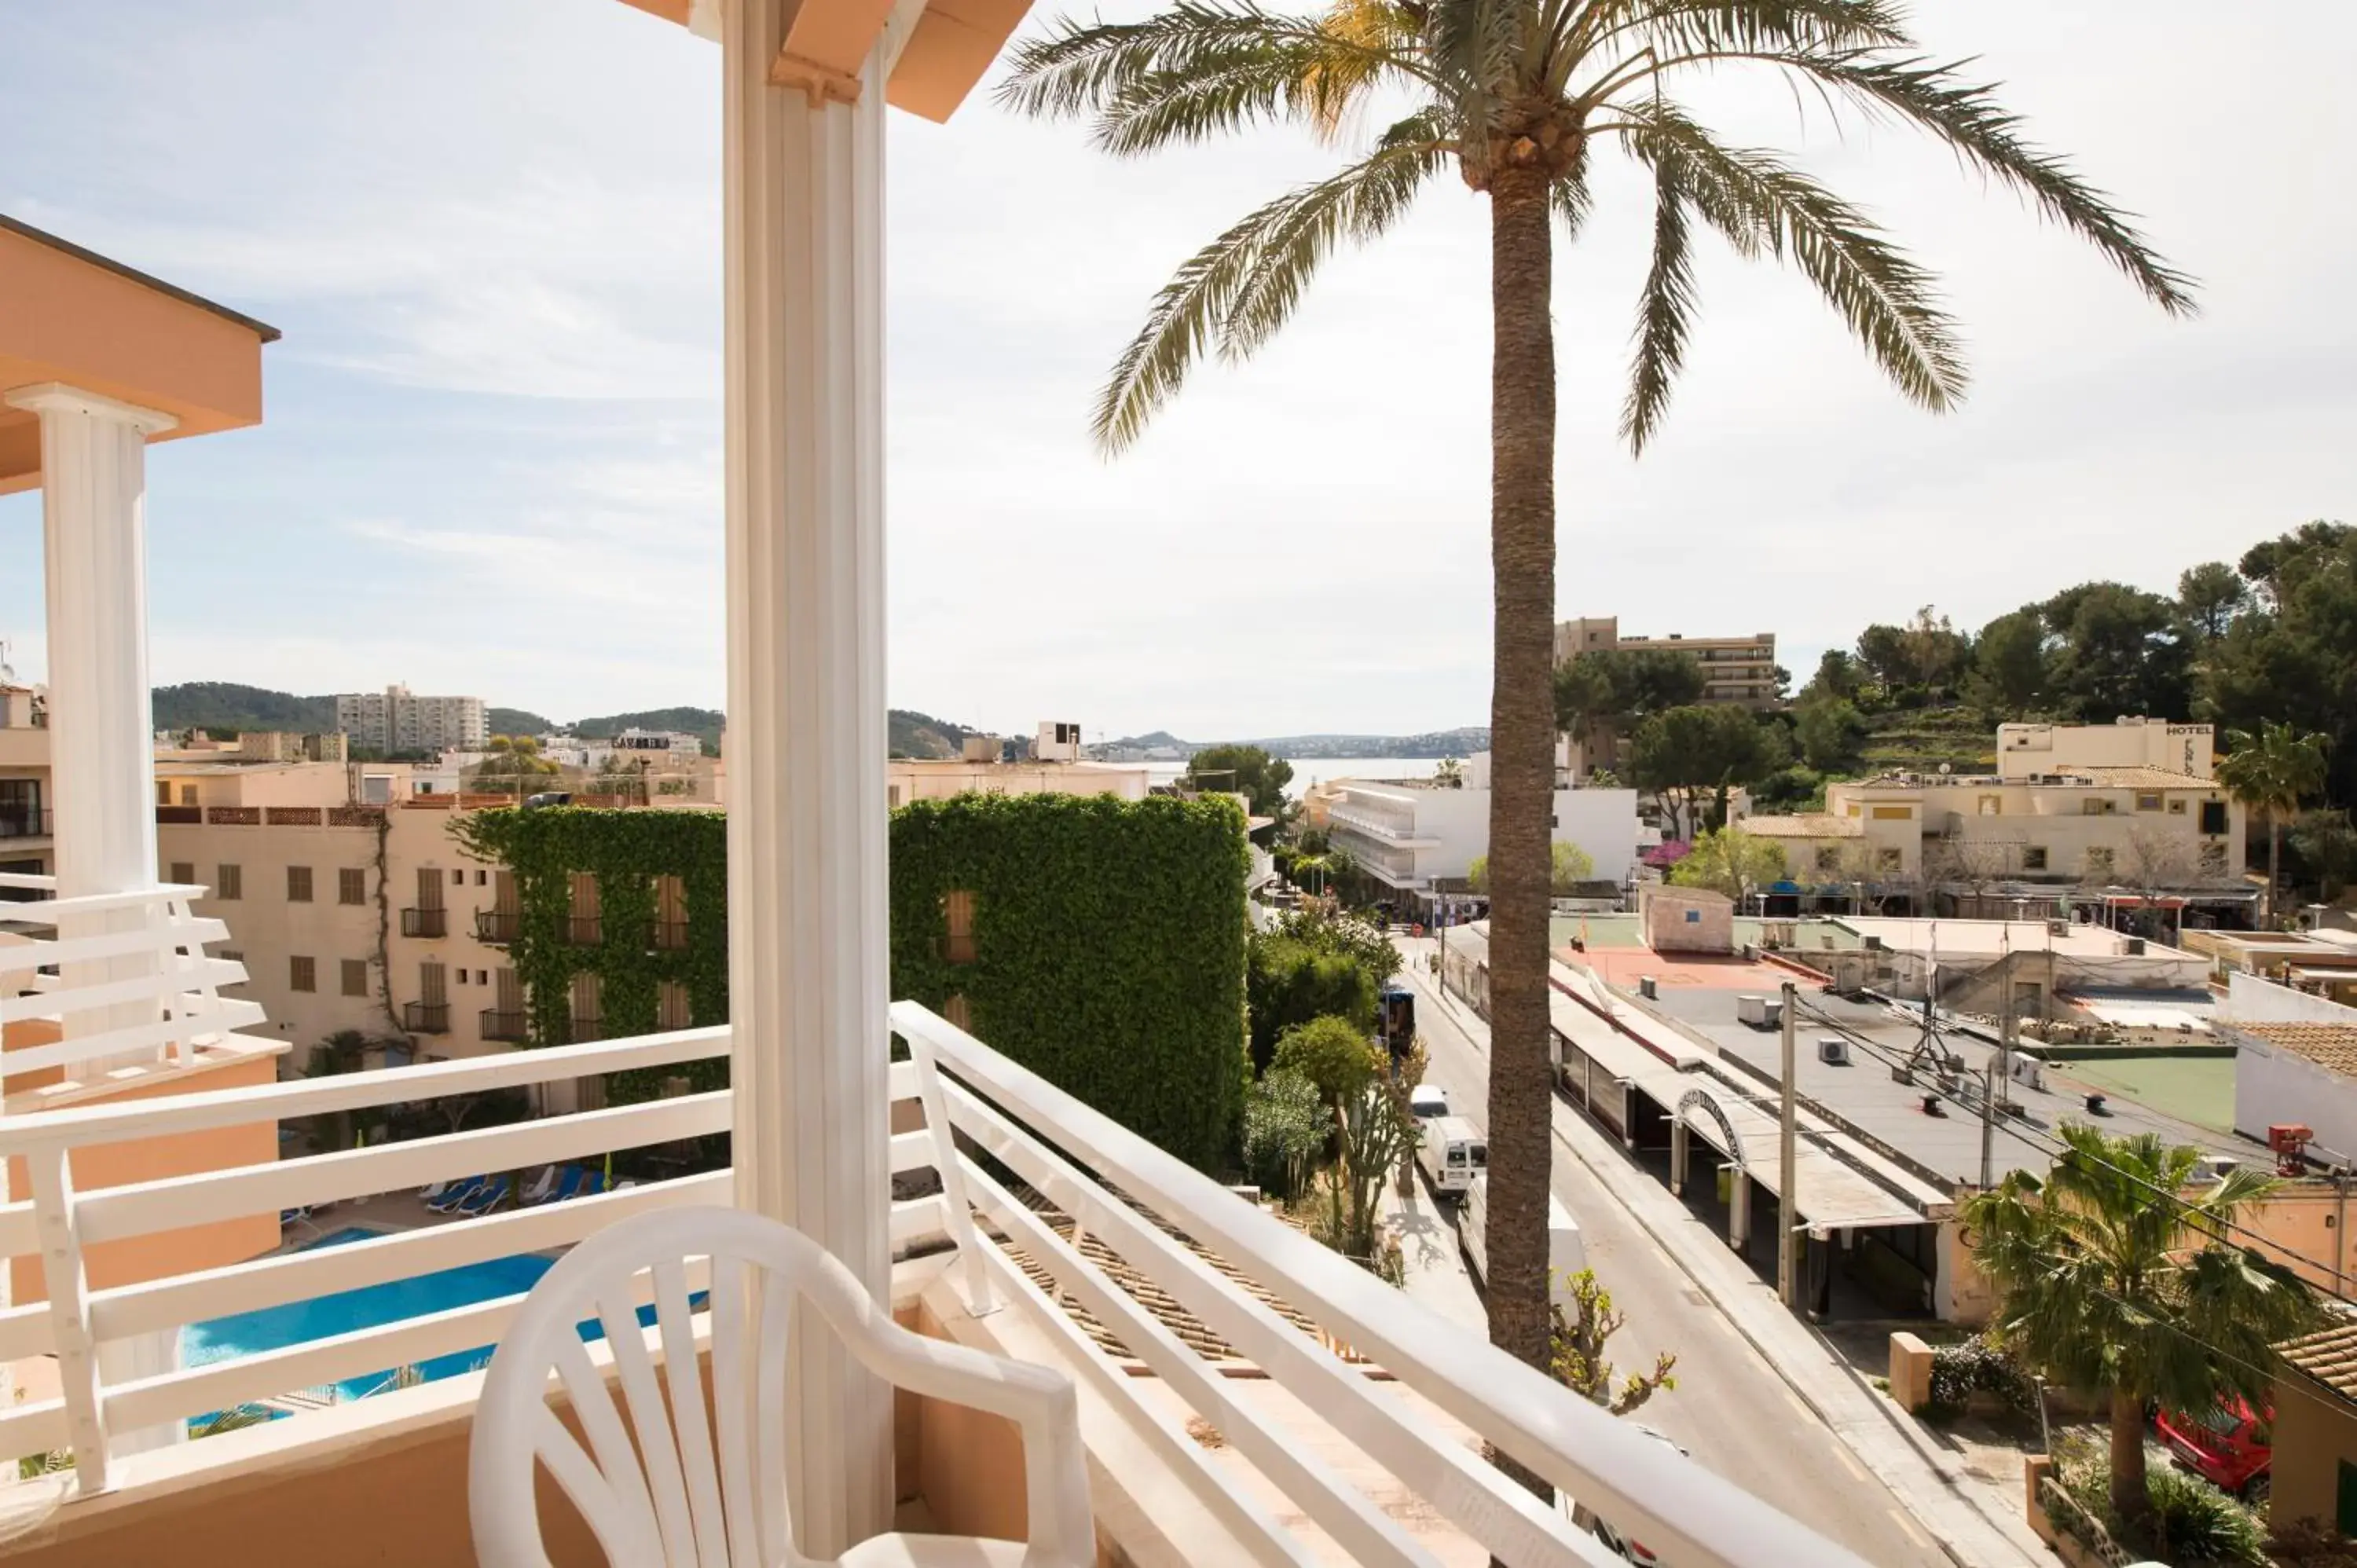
(1999,1072)
(1787,1162)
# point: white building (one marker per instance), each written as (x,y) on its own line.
(398,720)
(656,743)
(1421,836)
(937,779)
(2029,751)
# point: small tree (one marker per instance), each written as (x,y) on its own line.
(1334,1053)
(1376,1131)
(1285,1127)
(1731,861)
(1578,1359)
(2327,847)
(1568,865)
(2113,1283)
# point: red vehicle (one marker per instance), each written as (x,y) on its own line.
(2226,1445)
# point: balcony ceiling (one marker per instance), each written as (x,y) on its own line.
(69,315)
(954,43)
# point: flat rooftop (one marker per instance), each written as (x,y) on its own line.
(1881,1035)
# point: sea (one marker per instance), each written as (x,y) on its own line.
(1308,771)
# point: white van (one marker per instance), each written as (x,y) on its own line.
(1566,1251)
(1452,1154)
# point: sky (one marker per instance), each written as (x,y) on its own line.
(491,462)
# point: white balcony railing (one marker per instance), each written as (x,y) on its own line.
(1121,1191)
(122,976)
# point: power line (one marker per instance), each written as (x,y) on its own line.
(2057,1149)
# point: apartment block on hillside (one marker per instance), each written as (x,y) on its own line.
(1735,669)
(397,720)
(2089,824)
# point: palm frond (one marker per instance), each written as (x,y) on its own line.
(1242,284)
(1694,26)
(1373,34)
(1356,205)
(1763,204)
(1969,119)
(1664,312)
(1077,69)
(1570,195)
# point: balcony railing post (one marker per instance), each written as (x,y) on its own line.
(981,1300)
(69,1291)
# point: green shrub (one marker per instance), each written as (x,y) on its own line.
(1979,1366)
(2192,1524)
(1332,1053)
(1285,1127)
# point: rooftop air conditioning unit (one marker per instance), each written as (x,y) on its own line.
(2135,948)
(1833,1051)
(1649,988)
(1873,944)
(2218,1167)
(2057,927)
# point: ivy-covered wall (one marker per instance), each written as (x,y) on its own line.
(1108,949)
(1108,938)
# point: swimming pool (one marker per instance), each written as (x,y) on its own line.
(299,1322)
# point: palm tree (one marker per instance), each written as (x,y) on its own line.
(2112,1283)
(2273,772)
(1519,95)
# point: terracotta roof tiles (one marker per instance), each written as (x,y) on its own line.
(2329,1356)
(2329,1046)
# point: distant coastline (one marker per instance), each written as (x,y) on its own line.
(1432,746)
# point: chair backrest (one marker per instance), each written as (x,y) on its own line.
(697,1487)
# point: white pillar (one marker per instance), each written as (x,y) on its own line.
(101,730)
(102,726)
(806,717)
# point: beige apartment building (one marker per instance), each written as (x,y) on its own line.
(1735,669)
(2080,814)
(1738,671)
(351,906)
(397,720)
(28,828)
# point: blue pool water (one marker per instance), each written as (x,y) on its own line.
(297,1323)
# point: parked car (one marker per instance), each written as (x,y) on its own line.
(2227,1445)
(1634,1550)
(1427,1101)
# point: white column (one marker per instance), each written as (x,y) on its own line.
(102,726)
(101,730)
(806,731)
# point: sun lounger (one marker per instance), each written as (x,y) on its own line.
(459,1193)
(541,1187)
(483,1200)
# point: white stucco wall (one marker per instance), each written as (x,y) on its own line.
(2250,999)
(2273,1086)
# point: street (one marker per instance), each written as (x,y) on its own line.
(1732,1410)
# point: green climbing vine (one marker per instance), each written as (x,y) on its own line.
(626,851)
(1108,951)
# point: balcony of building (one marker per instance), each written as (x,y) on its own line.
(511,1026)
(1246,1395)
(426,1017)
(24,822)
(496,927)
(426,922)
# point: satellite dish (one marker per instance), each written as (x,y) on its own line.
(1945,769)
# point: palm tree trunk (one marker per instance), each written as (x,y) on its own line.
(1521,743)
(2275,863)
(2129,1498)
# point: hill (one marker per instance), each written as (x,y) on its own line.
(921,734)
(1461,741)
(224,708)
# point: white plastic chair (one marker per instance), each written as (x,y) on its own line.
(693,1503)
